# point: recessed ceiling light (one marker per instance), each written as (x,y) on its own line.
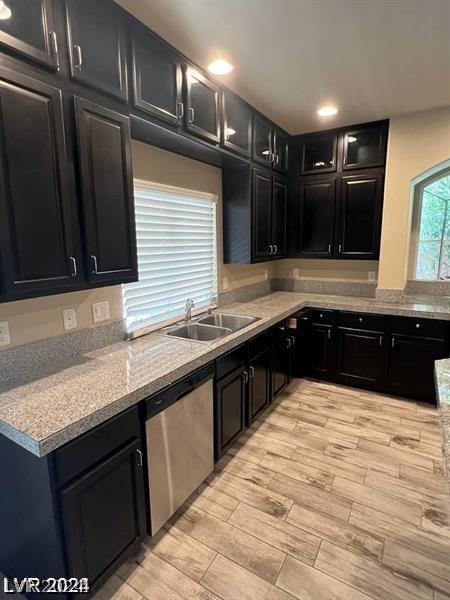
(220,67)
(327,111)
(5,11)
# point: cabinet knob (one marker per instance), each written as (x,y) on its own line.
(360,319)
(321,315)
(417,325)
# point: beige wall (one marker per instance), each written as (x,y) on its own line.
(331,270)
(417,143)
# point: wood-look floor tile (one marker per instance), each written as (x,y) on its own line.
(355,492)
(364,459)
(150,587)
(421,478)
(361,432)
(261,498)
(295,439)
(421,422)
(416,447)
(286,537)
(329,464)
(385,426)
(369,576)
(232,582)
(246,452)
(116,589)
(324,408)
(401,488)
(298,470)
(245,470)
(254,437)
(302,493)
(439,596)
(253,554)
(308,583)
(343,439)
(337,531)
(402,456)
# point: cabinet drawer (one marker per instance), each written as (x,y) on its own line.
(91,447)
(230,361)
(362,321)
(323,316)
(423,327)
(259,343)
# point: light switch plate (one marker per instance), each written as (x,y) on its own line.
(69,318)
(100,311)
(225,283)
(372,275)
(5,340)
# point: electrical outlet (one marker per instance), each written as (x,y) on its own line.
(225,283)
(100,311)
(295,273)
(5,340)
(372,276)
(266,274)
(69,318)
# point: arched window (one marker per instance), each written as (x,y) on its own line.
(433,239)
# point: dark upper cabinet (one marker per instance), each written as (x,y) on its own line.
(262,140)
(97,45)
(30,31)
(262,214)
(229,409)
(317,200)
(37,244)
(103,138)
(279,219)
(280,149)
(360,356)
(360,211)
(104,514)
(157,77)
(364,146)
(202,106)
(318,153)
(259,384)
(236,123)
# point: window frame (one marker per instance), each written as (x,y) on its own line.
(134,331)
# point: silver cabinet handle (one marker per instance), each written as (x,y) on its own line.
(393,342)
(293,340)
(78,57)
(340,249)
(140,460)
(245,376)
(380,341)
(95,265)
(275,249)
(54,46)
(74,266)
(270,249)
(329,335)
(191,114)
(288,342)
(329,248)
(252,372)
(180,110)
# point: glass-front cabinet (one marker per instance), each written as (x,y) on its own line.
(318,153)
(237,123)
(364,146)
(202,110)
(262,140)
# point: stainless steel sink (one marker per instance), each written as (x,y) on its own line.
(199,332)
(233,322)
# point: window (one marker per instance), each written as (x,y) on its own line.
(433,245)
(177,254)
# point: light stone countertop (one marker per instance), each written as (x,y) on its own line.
(63,401)
(442,373)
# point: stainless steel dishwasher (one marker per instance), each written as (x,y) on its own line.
(180,443)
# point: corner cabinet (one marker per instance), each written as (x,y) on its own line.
(103,138)
(39,248)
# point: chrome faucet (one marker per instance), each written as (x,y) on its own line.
(189,306)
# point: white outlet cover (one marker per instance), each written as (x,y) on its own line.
(5,340)
(100,311)
(295,273)
(372,276)
(69,318)
(225,283)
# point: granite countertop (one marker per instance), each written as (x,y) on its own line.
(57,404)
(442,372)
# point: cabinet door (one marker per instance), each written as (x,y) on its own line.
(279,192)
(321,362)
(229,409)
(97,45)
(317,200)
(30,31)
(259,384)
(359,357)
(157,78)
(237,123)
(202,106)
(107,193)
(262,216)
(318,153)
(262,140)
(37,217)
(280,366)
(360,209)
(411,365)
(280,144)
(365,146)
(104,514)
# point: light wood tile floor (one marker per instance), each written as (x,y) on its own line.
(334,494)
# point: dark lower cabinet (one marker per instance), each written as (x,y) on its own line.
(259,384)
(280,366)
(39,248)
(360,357)
(411,365)
(229,409)
(104,152)
(104,514)
(321,357)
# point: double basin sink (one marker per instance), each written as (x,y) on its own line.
(211,327)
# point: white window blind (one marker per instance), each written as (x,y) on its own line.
(177,254)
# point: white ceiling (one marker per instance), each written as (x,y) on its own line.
(373,58)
